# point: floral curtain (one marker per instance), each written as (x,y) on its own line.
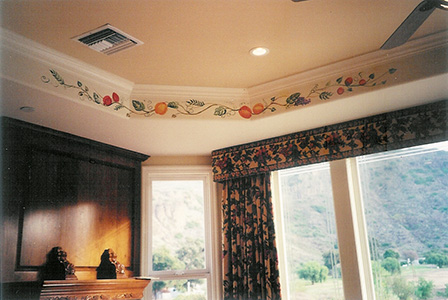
(250,265)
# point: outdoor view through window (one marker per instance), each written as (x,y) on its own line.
(405,198)
(405,195)
(178,240)
(309,234)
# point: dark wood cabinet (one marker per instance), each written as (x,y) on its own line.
(67,191)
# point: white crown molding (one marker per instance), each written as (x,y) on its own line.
(63,63)
(190,92)
(378,57)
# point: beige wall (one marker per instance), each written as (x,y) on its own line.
(178,161)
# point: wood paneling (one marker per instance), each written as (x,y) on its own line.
(62,190)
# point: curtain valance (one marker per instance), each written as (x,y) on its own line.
(399,129)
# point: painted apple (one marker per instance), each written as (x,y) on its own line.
(107,100)
(340,91)
(245,112)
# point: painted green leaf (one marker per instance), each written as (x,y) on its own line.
(220,111)
(293,98)
(273,99)
(195,102)
(325,95)
(173,104)
(118,107)
(339,80)
(392,70)
(81,94)
(371,76)
(79,83)
(138,105)
(96,98)
(383,82)
(57,77)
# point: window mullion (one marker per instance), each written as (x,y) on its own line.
(279,232)
(362,240)
(347,230)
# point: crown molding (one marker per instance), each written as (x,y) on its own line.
(70,65)
(64,63)
(378,57)
(236,95)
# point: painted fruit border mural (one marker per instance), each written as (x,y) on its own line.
(193,107)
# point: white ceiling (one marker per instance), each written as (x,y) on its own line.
(206,43)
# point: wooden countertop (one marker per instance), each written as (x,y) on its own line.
(105,289)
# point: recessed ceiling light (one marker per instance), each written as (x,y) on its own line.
(259,51)
(27,109)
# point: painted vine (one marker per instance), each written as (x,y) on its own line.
(195,107)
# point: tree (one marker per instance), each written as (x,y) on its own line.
(436,258)
(391,253)
(391,264)
(401,288)
(192,254)
(424,289)
(410,255)
(331,259)
(313,271)
(163,260)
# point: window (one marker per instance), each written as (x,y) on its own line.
(405,197)
(308,234)
(181,239)
(391,211)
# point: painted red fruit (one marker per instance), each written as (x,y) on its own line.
(340,91)
(258,108)
(348,81)
(362,82)
(245,112)
(107,100)
(115,97)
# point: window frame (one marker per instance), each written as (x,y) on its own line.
(212,223)
(351,227)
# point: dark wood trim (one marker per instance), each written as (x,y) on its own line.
(6,121)
(19,141)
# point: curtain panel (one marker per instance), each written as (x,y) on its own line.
(250,263)
(399,129)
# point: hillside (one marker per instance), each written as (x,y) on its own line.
(405,200)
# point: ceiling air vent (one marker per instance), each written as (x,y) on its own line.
(107,39)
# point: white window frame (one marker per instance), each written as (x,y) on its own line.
(350,226)
(212,221)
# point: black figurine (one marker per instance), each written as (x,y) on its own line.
(106,269)
(57,266)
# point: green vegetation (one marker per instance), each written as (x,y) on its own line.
(391,253)
(391,265)
(401,288)
(313,271)
(406,211)
(424,289)
(436,258)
